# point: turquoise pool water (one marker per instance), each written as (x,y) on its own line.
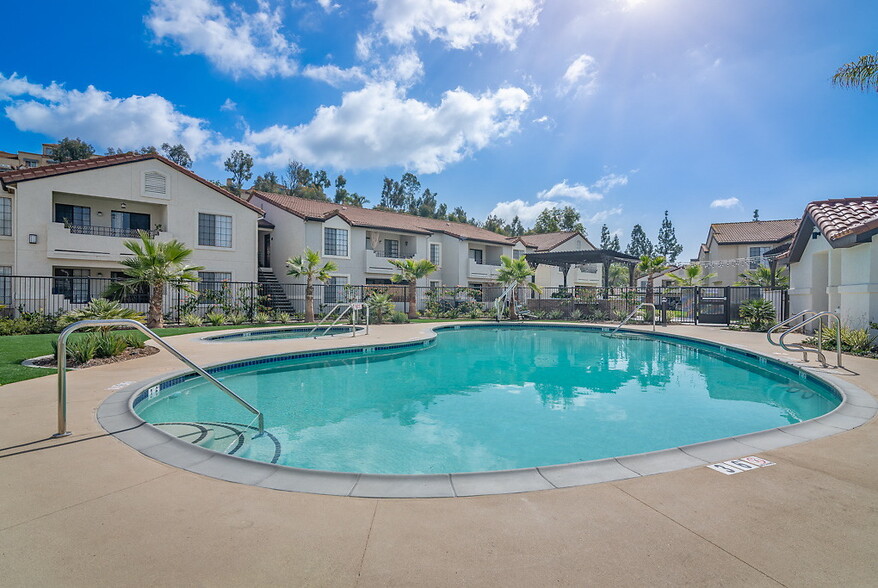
(287,333)
(500,398)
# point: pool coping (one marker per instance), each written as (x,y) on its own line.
(117,417)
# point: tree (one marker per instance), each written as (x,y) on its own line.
(861,74)
(614,244)
(547,222)
(756,215)
(518,272)
(458,215)
(605,237)
(178,154)
(649,266)
(554,220)
(321,180)
(72,149)
(762,277)
(515,229)
(570,220)
(693,275)
(619,275)
(268,183)
(239,165)
(666,244)
(308,265)
(410,271)
(640,244)
(495,223)
(154,265)
(341,194)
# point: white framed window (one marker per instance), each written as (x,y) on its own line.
(335,242)
(757,252)
(476,255)
(436,254)
(6,217)
(333,291)
(31,163)
(213,281)
(214,230)
(391,248)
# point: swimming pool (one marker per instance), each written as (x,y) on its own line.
(493,398)
(285,333)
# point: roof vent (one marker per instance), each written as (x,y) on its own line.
(155,183)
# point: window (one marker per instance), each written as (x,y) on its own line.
(79,216)
(155,183)
(434,284)
(213,281)
(6,216)
(333,292)
(73,284)
(31,163)
(130,221)
(335,242)
(435,254)
(5,285)
(214,230)
(476,255)
(517,253)
(757,252)
(391,248)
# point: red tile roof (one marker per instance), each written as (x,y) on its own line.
(768,231)
(379,219)
(548,241)
(840,217)
(69,167)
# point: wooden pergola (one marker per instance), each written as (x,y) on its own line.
(564,260)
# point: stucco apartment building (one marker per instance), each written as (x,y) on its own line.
(26,159)
(733,248)
(833,260)
(70,220)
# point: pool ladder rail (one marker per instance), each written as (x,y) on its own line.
(62,368)
(503,300)
(806,320)
(631,314)
(353,308)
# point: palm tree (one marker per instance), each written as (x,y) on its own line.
(518,272)
(693,276)
(649,266)
(101,308)
(308,265)
(861,74)
(762,277)
(618,275)
(154,265)
(410,271)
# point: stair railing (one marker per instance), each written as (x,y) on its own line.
(632,313)
(353,308)
(62,368)
(503,300)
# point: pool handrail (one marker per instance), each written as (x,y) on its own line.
(62,367)
(503,299)
(632,313)
(352,307)
(820,356)
(786,322)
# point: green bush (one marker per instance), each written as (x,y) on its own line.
(29,323)
(380,307)
(758,314)
(398,317)
(283,317)
(554,314)
(852,340)
(261,318)
(215,318)
(577,315)
(236,318)
(109,345)
(192,320)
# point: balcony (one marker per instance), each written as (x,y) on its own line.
(91,242)
(378,263)
(482,271)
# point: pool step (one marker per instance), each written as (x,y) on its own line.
(231,438)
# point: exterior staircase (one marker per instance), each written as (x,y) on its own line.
(275,296)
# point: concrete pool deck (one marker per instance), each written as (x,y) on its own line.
(89,510)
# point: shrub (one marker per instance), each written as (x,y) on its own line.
(283,317)
(852,340)
(108,345)
(554,314)
(380,307)
(132,340)
(215,318)
(236,318)
(261,318)
(81,349)
(577,315)
(475,313)
(758,314)
(192,320)
(29,323)
(101,309)
(398,317)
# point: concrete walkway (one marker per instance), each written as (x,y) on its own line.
(87,510)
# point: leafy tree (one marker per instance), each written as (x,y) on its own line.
(756,215)
(357,200)
(495,223)
(640,244)
(341,193)
(605,237)
(155,264)
(410,271)
(614,244)
(321,180)
(518,272)
(649,266)
(667,245)
(268,183)
(547,222)
(761,276)
(693,276)
(458,215)
(570,220)
(553,220)
(72,149)
(515,228)
(861,74)
(308,265)
(239,165)
(178,154)
(619,275)
(290,179)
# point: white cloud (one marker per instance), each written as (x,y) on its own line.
(725,203)
(98,117)
(234,41)
(525,211)
(404,68)
(334,75)
(580,77)
(328,5)
(379,126)
(229,105)
(610,181)
(565,190)
(459,24)
(603,215)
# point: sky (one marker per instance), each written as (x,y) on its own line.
(708,109)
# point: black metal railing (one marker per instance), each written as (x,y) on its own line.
(101,231)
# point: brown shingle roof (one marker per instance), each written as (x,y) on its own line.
(69,167)
(548,241)
(768,231)
(379,219)
(840,217)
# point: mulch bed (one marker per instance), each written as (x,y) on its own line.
(130,353)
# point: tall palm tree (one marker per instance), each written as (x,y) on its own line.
(649,266)
(518,272)
(693,276)
(154,265)
(411,271)
(861,74)
(762,277)
(618,275)
(308,265)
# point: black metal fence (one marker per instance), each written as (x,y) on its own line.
(682,305)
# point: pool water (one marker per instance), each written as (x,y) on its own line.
(502,398)
(287,333)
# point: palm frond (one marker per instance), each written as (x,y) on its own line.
(861,74)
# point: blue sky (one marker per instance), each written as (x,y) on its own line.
(621,108)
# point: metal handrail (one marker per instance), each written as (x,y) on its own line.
(783,323)
(820,356)
(352,307)
(62,367)
(632,313)
(503,299)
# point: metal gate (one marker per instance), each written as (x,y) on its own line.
(712,305)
